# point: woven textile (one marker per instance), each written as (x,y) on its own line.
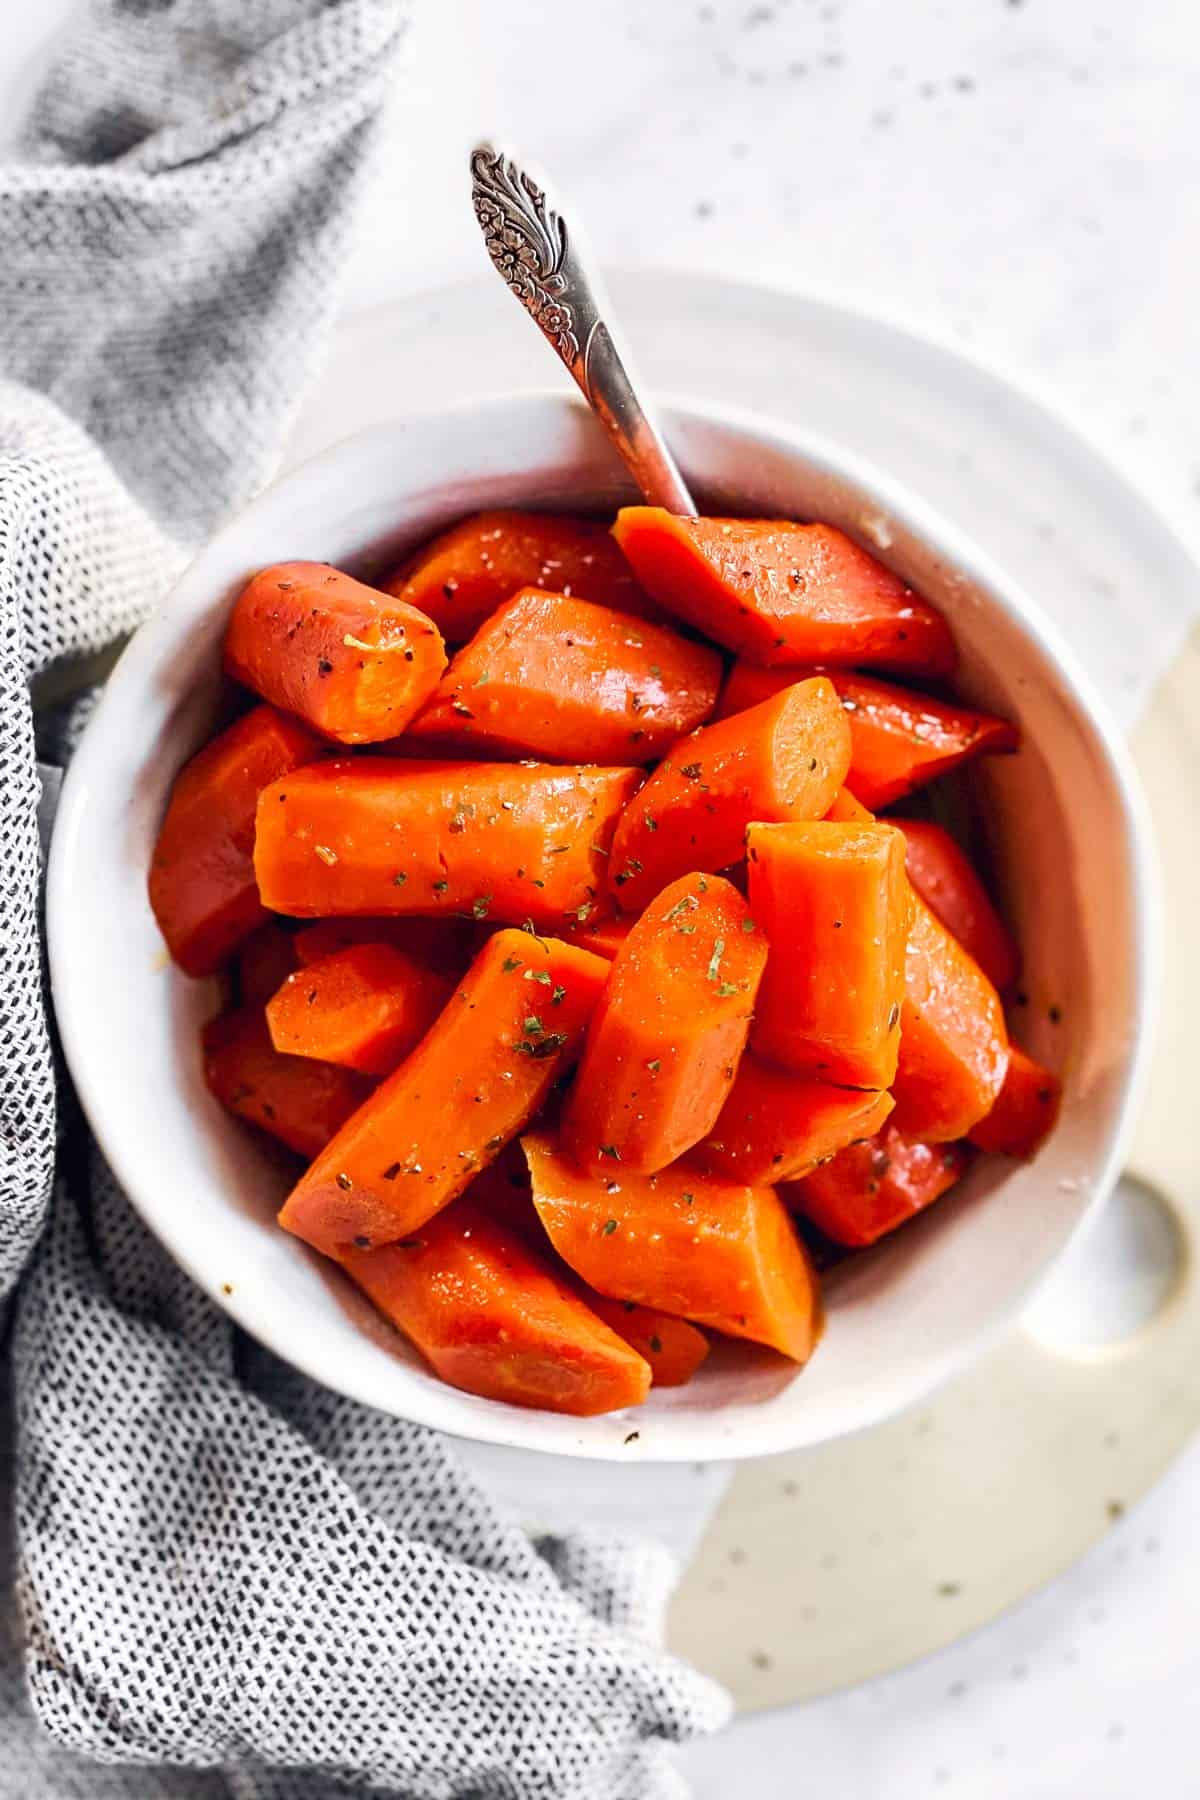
(223,1580)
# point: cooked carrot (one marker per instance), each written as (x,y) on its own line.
(265,960)
(201,883)
(946,880)
(302,1103)
(354,663)
(849,811)
(783,594)
(503,1192)
(1025,1110)
(548,675)
(667,1036)
(899,739)
(604,936)
(365,1006)
(480,1073)
(492,841)
(833,901)
(463,575)
(442,944)
(869,1189)
(493,1319)
(782,760)
(776,1125)
(720,1254)
(673,1348)
(953,1045)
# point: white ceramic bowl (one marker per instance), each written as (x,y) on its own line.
(1071,850)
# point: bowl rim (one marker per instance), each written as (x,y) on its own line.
(705,1438)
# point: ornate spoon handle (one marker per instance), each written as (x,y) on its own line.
(547,268)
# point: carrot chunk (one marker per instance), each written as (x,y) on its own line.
(551,676)
(490,840)
(716,1253)
(266,959)
(775,1125)
(365,1006)
(441,944)
(899,739)
(302,1103)
(782,760)
(869,1189)
(354,663)
(463,575)
(491,1318)
(604,936)
(844,808)
(666,1038)
(1025,1110)
(673,1348)
(201,882)
(946,880)
(953,1044)
(480,1073)
(833,901)
(783,594)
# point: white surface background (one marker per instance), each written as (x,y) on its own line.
(1019,177)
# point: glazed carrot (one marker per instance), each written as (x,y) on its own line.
(946,880)
(953,1045)
(463,575)
(480,1073)
(775,1125)
(442,944)
(665,1040)
(365,1007)
(847,810)
(503,1192)
(783,594)
(899,739)
(491,1318)
(354,663)
(748,684)
(492,841)
(833,901)
(201,883)
(673,1348)
(869,1189)
(782,760)
(1024,1112)
(604,936)
(301,1103)
(547,675)
(265,960)
(719,1254)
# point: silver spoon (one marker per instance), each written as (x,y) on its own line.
(547,267)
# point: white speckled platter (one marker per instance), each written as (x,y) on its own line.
(822,1569)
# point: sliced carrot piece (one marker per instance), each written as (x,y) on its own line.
(547,675)
(722,1255)
(781,593)
(301,1103)
(1024,1112)
(442,944)
(265,960)
(365,1006)
(899,739)
(833,901)
(673,1348)
(604,936)
(782,760)
(463,575)
(489,840)
(473,1082)
(775,1125)
(201,882)
(354,663)
(846,809)
(953,1044)
(946,880)
(869,1189)
(491,1318)
(666,1038)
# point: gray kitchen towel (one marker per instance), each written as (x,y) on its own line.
(222,1579)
